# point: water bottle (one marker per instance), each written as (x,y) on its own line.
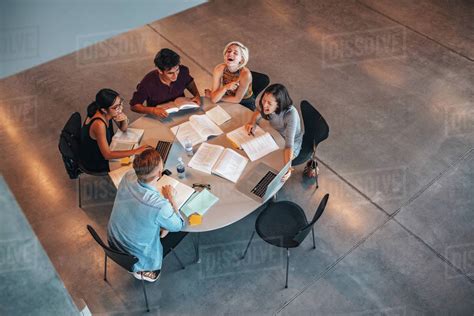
(180,168)
(188,147)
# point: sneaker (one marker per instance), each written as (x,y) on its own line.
(150,276)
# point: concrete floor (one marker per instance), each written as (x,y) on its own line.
(394,81)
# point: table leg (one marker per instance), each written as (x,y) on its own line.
(196,247)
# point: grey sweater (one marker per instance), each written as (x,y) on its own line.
(288,124)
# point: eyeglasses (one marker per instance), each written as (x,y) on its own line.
(117,106)
(201,186)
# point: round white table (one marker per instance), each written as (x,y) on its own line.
(232,205)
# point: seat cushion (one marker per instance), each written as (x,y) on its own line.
(280,222)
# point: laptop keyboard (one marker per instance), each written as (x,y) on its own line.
(261,187)
(163,148)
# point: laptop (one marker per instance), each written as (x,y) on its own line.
(262,181)
(164,147)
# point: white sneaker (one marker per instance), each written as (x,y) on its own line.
(150,276)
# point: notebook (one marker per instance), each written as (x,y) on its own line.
(199,203)
(215,159)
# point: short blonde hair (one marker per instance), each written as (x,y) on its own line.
(244,51)
(145,163)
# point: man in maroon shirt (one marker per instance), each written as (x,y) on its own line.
(163,87)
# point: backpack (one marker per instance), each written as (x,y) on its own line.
(69,142)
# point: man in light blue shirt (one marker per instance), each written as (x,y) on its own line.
(141,212)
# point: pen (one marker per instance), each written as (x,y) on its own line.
(251,132)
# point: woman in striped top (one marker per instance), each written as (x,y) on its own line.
(232,81)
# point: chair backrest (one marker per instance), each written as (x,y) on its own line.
(171,241)
(316,129)
(301,235)
(69,142)
(259,82)
(124,260)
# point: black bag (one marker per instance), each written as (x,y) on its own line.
(69,142)
(311,170)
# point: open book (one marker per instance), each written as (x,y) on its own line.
(183,191)
(218,160)
(132,135)
(185,106)
(126,141)
(256,146)
(198,129)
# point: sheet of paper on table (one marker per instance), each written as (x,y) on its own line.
(117,174)
(218,115)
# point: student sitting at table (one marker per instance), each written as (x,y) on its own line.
(277,107)
(231,80)
(164,87)
(97,132)
(141,215)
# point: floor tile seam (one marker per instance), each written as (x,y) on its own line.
(180,49)
(332,266)
(416,31)
(436,179)
(434,251)
(380,208)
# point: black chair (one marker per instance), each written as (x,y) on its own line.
(69,144)
(316,130)
(284,224)
(127,261)
(259,82)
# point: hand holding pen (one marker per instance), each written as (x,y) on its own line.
(250,128)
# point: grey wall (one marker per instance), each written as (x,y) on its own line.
(33,32)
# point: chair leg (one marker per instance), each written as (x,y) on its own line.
(312,231)
(177,258)
(248,245)
(287,265)
(144,292)
(317,175)
(79,191)
(105,267)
